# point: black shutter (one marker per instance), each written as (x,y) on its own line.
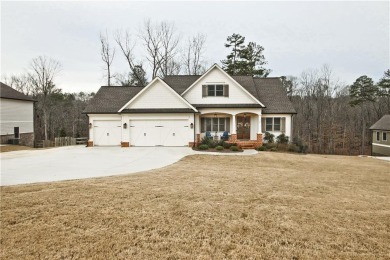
(204,90)
(227,122)
(283,124)
(226,90)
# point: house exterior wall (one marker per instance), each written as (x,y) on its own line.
(158,96)
(236,93)
(287,127)
(16,113)
(380,147)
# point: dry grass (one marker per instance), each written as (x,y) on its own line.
(12,148)
(267,206)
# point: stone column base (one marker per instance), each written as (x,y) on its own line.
(89,143)
(260,139)
(125,144)
(233,138)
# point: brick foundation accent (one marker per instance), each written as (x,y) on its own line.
(191,144)
(89,143)
(198,138)
(233,138)
(260,138)
(125,144)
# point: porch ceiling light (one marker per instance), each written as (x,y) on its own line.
(90,125)
(125,125)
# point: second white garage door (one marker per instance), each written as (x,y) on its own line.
(159,132)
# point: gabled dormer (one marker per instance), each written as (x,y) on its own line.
(215,86)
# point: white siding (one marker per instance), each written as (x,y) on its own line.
(16,113)
(236,94)
(158,96)
(288,123)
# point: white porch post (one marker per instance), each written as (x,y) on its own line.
(259,131)
(197,123)
(233,126)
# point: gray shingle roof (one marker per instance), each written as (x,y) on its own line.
(272,94)
(111,99)
(10,93)
(269,91)
(382,124)
(227,105)
(158,110)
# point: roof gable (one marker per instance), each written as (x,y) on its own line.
(10,93)
(157,95)
(216,75)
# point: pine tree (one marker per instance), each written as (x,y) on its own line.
(244,60)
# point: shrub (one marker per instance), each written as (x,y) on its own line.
(293,148)
(221,143)
(302,146)
(282,139)
(234,148)
(262,148)
(206,140)
(203,147)
(228,145)
(269,137)
(219,148)
(213,144)
(269,146)
(273,149)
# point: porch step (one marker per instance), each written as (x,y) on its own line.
(247,146)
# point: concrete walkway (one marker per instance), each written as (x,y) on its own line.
(79,162)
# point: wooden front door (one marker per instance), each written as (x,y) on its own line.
(243,127)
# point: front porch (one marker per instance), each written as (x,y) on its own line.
(242,128)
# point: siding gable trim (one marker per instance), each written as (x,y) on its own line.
(149,86)
(228,76)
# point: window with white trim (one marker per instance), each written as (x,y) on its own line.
(216,124)
(274,124)
(384,136)
(215,90)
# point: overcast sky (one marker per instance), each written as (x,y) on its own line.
(351,37)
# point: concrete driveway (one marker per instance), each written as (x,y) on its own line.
(79,162)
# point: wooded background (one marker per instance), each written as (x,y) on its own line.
(332,117)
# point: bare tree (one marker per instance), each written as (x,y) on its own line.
(107,54)
(126,44)
(43,71)
(168,50)
(192,58)
(20,82)
(152,39)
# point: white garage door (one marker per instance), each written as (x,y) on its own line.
(107,133)
(159,132)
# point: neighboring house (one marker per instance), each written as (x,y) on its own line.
(381,136)
(181,110)
(17,117)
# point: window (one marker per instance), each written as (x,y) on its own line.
(216,124)
(215,90)
(16,132)
(377,135)
(271,124)
(277,124)
(268,124)
(384,136)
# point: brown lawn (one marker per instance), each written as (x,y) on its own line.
(11,148)
(268,206)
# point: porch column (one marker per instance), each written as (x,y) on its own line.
(233,128)
(259,124)
(259,131)
(197,128)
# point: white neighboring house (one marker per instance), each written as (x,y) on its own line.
(17,117)
(180,110)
